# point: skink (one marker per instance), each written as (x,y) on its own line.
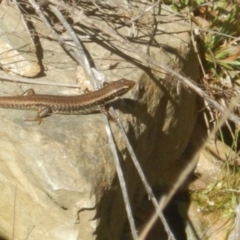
(87,103)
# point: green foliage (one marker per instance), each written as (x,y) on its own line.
(219,196)
(222,52)
(179,5)
(218,24)
(219,45)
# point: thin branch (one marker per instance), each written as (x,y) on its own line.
(142,176)
(52,31)
(83,60)
(23,21)
(145,11)
(121,181)
(81,56)
(166,198)
(153,64)
(45,82)
(184,174)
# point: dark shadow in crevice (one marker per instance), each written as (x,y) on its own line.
(3,238)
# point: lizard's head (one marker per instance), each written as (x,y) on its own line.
(122,86)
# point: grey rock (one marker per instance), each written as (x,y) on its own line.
(52,171)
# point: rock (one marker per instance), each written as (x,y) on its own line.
(18,53)
(65,165)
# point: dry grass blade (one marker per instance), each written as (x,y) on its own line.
(142,176)
(79,55)
(47,82)
(151,63)
(165,199)
(24,22)
(179,181)
(81,58)
(235,235)
(121,180)
(45,21)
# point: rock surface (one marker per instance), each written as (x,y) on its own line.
(50,172)
(18,53)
